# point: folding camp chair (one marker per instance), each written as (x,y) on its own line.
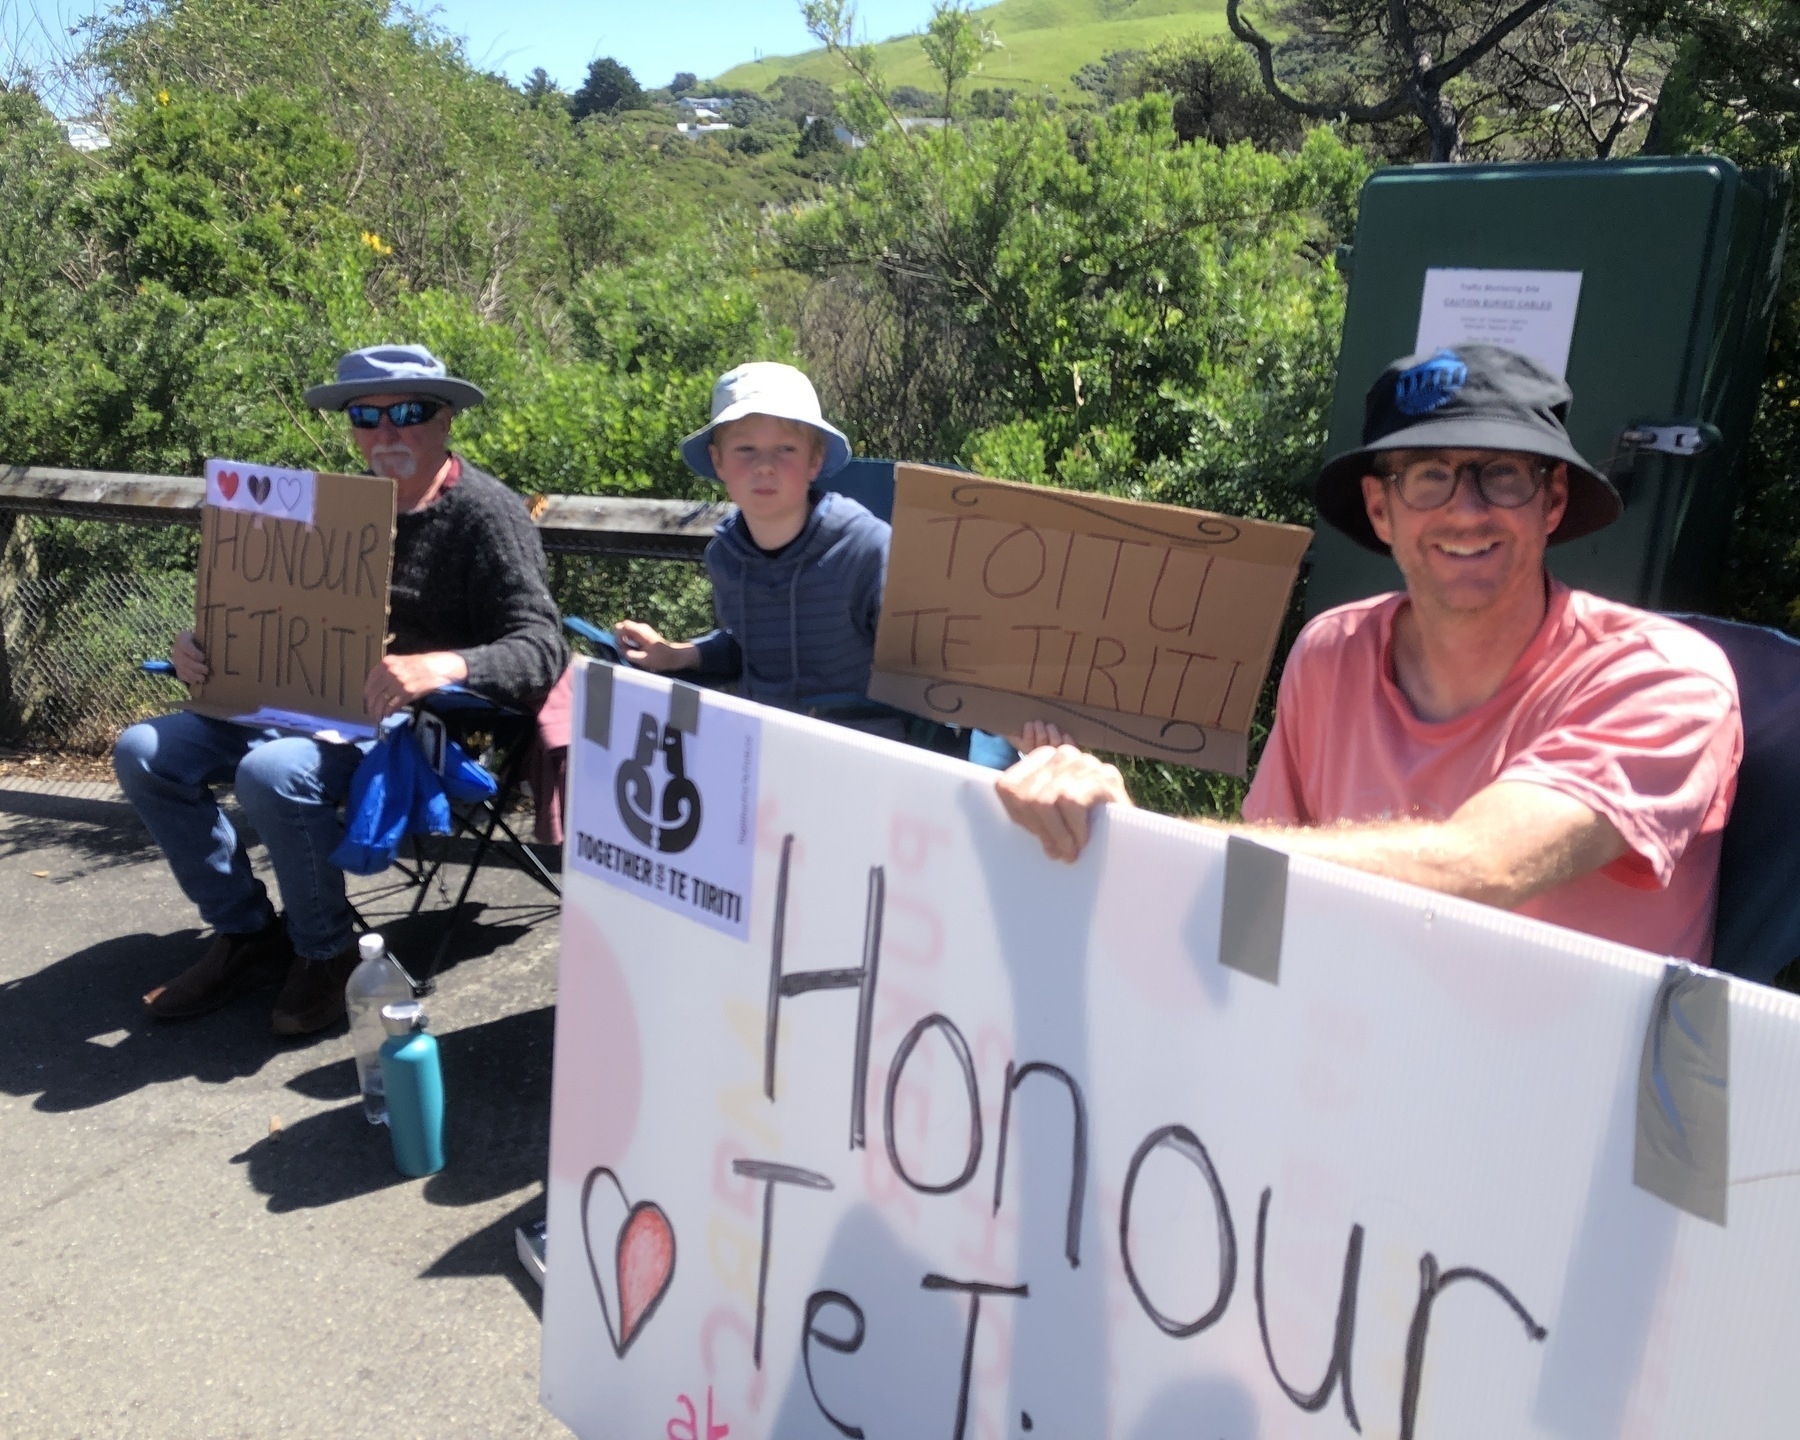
(868,482)
(1757,934)
(510,733)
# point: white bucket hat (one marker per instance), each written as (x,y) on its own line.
(764,387)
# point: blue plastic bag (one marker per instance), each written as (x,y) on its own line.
(393,793)
(466,781)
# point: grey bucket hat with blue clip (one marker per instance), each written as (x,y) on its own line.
(1473,397)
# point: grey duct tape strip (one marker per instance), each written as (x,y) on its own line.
(596,716)
(1255,906)
(1684,1096)
(684,708)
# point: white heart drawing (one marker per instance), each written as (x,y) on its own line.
(604,1212)
(641,1250)
(290,490)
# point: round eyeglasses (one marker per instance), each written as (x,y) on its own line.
(1506,481)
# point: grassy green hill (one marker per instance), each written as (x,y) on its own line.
(1045,42)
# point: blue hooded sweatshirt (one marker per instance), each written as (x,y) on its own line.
(798,624)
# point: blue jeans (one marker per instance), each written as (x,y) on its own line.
(290,787)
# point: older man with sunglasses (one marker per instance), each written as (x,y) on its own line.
(1488,732)
(470,604)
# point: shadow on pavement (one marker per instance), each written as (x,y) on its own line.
(75,1033)
(497,1126)
(414,938)
(101,833)
(493,1250)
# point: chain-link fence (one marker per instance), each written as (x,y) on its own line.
(88,608)
(72,646)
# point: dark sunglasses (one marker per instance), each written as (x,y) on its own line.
(400,414)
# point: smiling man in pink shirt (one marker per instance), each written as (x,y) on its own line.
(1487,732)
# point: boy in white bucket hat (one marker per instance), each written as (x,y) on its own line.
(797,572)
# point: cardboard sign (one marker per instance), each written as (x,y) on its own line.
(965,1142)
(681,827)
(1134,627)
(293,616)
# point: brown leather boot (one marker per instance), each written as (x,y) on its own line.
(233,965)
(313,996)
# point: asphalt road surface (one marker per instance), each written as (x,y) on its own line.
(200,1236)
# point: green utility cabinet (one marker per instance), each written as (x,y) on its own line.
(1677,260)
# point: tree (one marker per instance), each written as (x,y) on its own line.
(609,88)
(817,138)
(746,107)
(1161,315)
(867,104)
(911,98)
(797,96)
(684,81)
(1461,68)
(1110,78)
(1581,79)
(954,42)
(1732,90)
(1217,93)
(1732,85)
(540,89)
(995,104)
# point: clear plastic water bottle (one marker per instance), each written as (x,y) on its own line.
(415,1090)
(377,980)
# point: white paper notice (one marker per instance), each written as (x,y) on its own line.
(1532,311)
(260,489)
(679,828)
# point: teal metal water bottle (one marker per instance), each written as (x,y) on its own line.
(415,1089)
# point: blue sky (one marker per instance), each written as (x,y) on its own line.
(654,39)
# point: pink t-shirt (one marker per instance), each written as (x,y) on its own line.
(1630,713)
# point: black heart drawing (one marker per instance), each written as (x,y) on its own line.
(259,488)
(643,1261)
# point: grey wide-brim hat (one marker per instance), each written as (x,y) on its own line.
(765,387)
(393,370)
(1475,397)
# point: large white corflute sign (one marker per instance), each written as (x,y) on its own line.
(1187,1139)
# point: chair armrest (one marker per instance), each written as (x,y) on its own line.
(454,699)
(604,641)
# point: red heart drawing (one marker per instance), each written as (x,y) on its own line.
(228,483)
(643,1262)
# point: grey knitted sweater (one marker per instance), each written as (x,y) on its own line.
(469,576)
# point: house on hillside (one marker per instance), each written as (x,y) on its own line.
(86,137)
(840,132)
